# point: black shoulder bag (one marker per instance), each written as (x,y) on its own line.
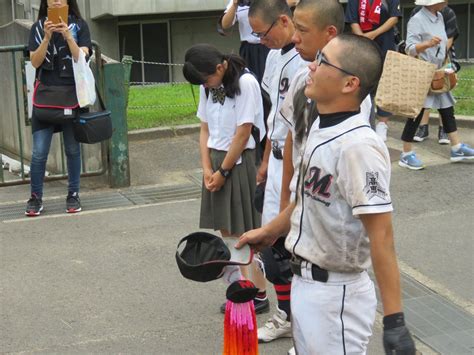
(93,127)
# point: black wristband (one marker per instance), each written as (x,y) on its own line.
(394,320)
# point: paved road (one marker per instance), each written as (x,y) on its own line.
(105,281)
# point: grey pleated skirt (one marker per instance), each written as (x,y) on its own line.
(231,208)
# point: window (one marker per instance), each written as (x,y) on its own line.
(146,42)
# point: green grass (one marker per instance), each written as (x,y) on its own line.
(464,90)
(162,112)
(161,97)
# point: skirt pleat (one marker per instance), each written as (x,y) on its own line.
(231,208)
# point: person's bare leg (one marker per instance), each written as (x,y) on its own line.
(426,118)
(454,138)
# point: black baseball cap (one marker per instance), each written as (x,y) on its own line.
(202,256)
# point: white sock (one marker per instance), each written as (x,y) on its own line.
(231,274)
(405,154)
(456,147)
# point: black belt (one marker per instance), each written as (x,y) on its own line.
(317,273)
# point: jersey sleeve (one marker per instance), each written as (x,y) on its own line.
(201,112)
(266,79)
(248,105)
(84,36)
(35,37)
(394,8)
(364,177)
(352,12)
(287,107)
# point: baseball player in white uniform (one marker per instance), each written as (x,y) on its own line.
(271,21)
(342,215)
(316,23)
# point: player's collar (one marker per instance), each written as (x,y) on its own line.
(331,119)
(287,48)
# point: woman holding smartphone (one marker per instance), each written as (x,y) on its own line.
(52,46)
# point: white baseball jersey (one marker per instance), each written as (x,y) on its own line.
(280,69)
(242,17)
(345,173)
(287,113)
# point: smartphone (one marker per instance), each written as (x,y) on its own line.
(55,13)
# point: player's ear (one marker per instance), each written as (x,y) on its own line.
(351,85)
(331,32)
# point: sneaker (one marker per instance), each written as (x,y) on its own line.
(276,327)
(261,306)
(292,351)
(381,129)
(34,206)
(73,203)
(410,161)
(462,154)
(421,134)
(442,136)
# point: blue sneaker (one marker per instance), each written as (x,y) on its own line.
(411,162)
(463,153)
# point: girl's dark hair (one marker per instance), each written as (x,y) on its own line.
(304,114)
(201,60)
(73,9)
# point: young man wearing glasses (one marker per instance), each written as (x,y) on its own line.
(341,220)
(271,21)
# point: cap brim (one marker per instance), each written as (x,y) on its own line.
(242,256)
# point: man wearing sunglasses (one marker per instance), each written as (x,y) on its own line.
(271,21)
(341,220)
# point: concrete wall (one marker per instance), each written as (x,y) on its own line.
(5,12)
(15,129)
(112,8)
(185,33)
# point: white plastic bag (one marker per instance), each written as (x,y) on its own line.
(85,82)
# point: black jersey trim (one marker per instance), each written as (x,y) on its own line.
(377,204)
(342,320)
(301,176)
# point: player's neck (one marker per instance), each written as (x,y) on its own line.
(337,106)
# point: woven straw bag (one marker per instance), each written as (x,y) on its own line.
(404,84)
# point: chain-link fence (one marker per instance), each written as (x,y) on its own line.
(183,97)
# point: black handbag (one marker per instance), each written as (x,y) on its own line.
(93,127)
(54,104)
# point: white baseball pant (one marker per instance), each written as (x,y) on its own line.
(335,317)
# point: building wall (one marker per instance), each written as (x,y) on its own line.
(185,33)
(5,12)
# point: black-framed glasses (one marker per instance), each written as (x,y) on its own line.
(320,59)
(263,35)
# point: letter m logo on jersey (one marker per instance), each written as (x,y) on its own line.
(317,184)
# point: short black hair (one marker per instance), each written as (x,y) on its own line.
(325,13)
(201,60)
(269,10)
(364,61)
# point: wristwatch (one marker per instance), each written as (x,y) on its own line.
(224,173)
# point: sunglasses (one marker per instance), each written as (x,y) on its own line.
(320,59)
(263,35)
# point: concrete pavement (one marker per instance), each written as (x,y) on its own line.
(105,281)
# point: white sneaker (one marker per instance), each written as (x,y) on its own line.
(381,129)
(292,351)
(276,327)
